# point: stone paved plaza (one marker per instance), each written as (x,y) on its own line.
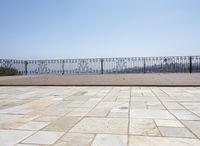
(99,116)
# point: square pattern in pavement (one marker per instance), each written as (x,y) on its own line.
(99,116)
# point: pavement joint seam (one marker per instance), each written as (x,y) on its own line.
(177,118)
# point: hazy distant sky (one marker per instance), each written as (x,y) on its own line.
(44,29)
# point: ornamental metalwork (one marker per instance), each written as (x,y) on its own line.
(42,68)
(121,64)
(6,63)
(172,64)
(83,66)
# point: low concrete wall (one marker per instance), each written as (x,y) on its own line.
(181,79)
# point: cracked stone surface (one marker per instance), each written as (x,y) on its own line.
(99,116)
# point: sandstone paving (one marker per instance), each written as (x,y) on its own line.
(108,140)
(151,114)
(29,145)
(46,118)
(43,137)
(194,126)
(11,137)
(99,116)
(97,112)
(102,125)
(62,124)
(143,127)
(162,141)
(76,139)
(168,123)
(33,125)
(185,115)
(176,132)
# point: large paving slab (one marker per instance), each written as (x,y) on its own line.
(99,116)
(102,125)
(11,137)
(108,140)
(162,141)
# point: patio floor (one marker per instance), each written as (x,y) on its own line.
(99,116)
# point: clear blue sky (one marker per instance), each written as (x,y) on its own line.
(43,29)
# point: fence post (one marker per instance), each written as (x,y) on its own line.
(144,66)
(101,66)
(26,64)
(63,69)
(190,64)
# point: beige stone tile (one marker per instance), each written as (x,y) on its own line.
(118,113)
(16,110)
(30,145)
(173,105)
(110,98)
(26,118)
(33,125)
(138,105)
(10,125)
(62,124)
(75,104)
(143,127)
(153,103)
(176,132)
(168,123)
(9,117)
(184,115)
(109,105)
(98,112)
(110,140)
(159,107)
(54,111)
(82,109)
(75,139)
(95,99)
(144,99)
(12,137)
(119,99)
(78,113)
(162,141)
(43,137)
(102,125)
(192,105)
(151,114)
(194,126)
(46,118)
(9,121)
(39,104)
(89,104)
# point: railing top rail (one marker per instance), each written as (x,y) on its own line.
(146,57)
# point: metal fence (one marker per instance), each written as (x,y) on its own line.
(173,64)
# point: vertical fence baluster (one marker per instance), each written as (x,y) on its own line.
(26,64)
(101,66)
(190,64)
(144,66)
(63,69)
